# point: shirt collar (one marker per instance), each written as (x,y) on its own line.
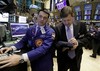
(71,26)
(39,25)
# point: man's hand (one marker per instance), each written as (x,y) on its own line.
(12,60)
(5,50)
(74,42)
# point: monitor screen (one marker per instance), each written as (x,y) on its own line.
(87,9)
(97,12)
(77,8)
(98,6)
(78,17)
(78,13)
(87,12)
(18,29)
(86,17)
(97,17)
(4,17)
(22,19)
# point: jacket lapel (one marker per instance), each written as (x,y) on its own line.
(76,29)
(64,37)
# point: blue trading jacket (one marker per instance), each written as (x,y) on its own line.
(40,55)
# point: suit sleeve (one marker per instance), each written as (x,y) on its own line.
(83,39)
(43,49)
(64,44)
(23,41)
(59,43)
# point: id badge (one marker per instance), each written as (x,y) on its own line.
(43,31)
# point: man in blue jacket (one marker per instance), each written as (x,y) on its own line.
(39,38)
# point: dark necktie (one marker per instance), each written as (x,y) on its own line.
(71,53)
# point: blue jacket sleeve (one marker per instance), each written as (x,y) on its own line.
(22,42)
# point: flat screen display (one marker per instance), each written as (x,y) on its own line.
(98,6)
(77,8)
(86,17)
(87,12)
(97,17)
(22,19)
(78,13)
(78,18)
(97,12)
(87,9)
(18,29)
(4,17)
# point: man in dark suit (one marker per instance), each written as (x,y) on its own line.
(39,38)
(69,50)
(95,41)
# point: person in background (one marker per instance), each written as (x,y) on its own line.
(95,41)
(34,18)
(39,39)
(91,30)
(70,38)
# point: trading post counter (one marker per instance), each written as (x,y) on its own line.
(20,67)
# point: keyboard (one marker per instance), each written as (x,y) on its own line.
(9,43)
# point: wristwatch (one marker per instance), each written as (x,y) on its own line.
(21,60)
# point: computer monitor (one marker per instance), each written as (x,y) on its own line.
(97,12)
(87,12)
(4,17)
(97,17)
(78,17)
(77,12)
(22,19)
(98,8)
(87,9)
(86,17)
(77,9)
(18,29)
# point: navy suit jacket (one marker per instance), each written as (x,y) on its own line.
(40,44)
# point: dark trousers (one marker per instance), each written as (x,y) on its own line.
(20,67)
(67,63)
(96,46)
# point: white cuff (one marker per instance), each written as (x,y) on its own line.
(25,56)
(14,48)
